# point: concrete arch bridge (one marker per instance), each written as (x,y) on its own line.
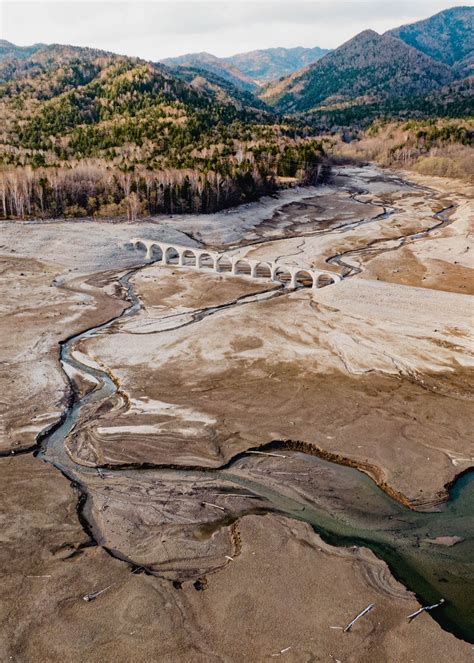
(221,263)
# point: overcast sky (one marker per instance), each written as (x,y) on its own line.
(155,30)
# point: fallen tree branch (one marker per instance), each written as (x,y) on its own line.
(356,619)
(426,608)
(93,595)
(216,506)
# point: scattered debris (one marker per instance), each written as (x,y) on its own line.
(216,506)
(282,651)
(38,576)
(229,558)
(264,453)
(426,608)
(356,619)
(237,495)
(93,595)
(200,584)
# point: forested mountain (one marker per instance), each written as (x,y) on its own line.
(214,65)
(447,36)
(138,137)
(223,89)
(9,50)
(84,131)
(268,64)
(254,68)
(369,68)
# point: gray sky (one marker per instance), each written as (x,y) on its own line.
(155,30)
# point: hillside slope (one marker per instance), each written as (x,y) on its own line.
(269,64)
(223,89)
(72,100)
(88,132)
(9,50)
(447,36)
(370,67)
(214,65)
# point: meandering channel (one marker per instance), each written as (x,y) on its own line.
(357,513)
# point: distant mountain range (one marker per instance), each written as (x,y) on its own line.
(106,134)
(218,66)
(395,70)
(249,70)
(419,69)
(9,50)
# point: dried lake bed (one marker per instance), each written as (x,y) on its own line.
(161,378)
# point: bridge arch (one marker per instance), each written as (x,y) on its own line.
(188,258)
(325,279)
(155,252)
(171,255)
(263,270)
(140,244)
(223,264)
(206,261)
(283,275)
(302,278)
(242,266)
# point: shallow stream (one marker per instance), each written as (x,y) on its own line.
(431,553)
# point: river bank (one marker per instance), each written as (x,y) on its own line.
(334,370)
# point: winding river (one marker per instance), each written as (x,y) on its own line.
(431,553)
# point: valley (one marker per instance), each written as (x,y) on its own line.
(236,396)
(147,392)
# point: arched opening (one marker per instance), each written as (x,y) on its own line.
(188,258)
(224,264)
(156,254)
(242,267)
(139,245)
(324,280)
(171,256)
(206,261)
(303,279)
(263,271)
(282,275)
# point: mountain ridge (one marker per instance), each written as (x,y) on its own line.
(447,36)
(252,68)
(369,65)
(214,65)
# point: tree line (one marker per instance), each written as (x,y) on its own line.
(106,191)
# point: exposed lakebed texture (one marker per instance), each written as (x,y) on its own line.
(168,396)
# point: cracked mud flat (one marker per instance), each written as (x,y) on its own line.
(373,372)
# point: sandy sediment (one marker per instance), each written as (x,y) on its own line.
(374,370)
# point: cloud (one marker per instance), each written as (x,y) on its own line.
(155,30)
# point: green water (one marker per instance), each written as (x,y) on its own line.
(347,508)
